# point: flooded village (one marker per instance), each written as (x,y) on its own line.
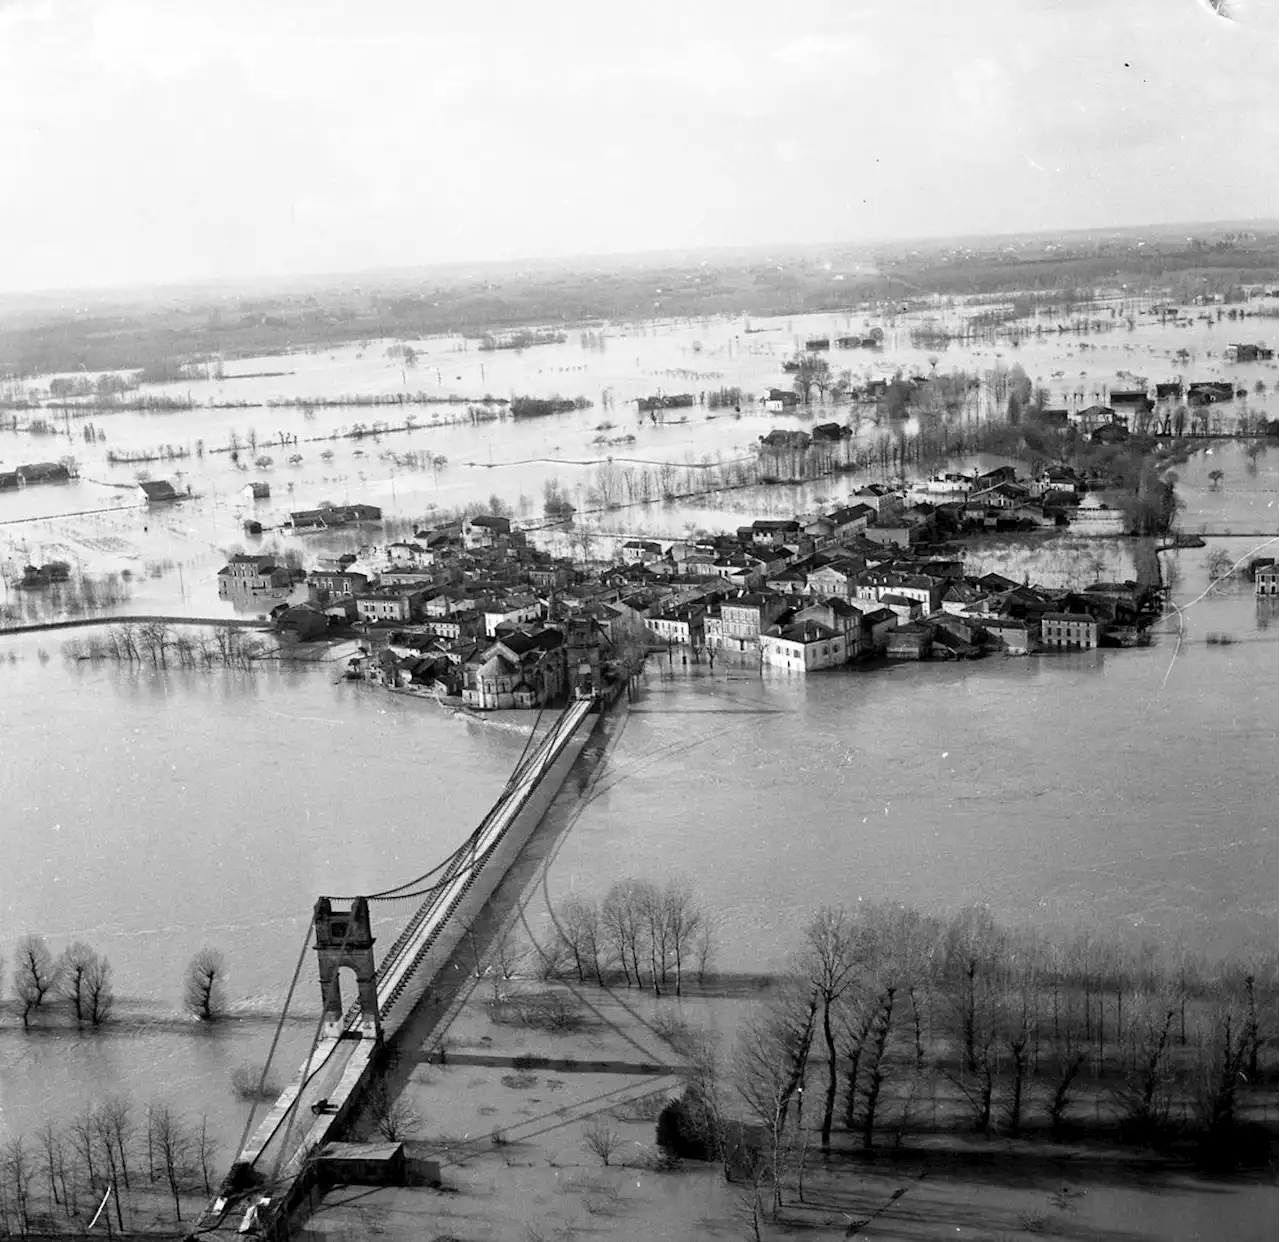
(872,578)
(476,615)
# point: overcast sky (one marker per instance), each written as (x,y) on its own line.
(148,141)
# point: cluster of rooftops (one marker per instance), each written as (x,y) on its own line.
(474,600)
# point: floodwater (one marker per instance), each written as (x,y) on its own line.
(154,812)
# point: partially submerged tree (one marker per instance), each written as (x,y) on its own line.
(811,371)
(84,979)
(35,976)
(204,990)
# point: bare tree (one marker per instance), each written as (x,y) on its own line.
(881,1028)
(104,1132)
(508,955)
(51,1150)
(204,993)
(772,1056)
(1147,1091)
(653,921)
(601,1140)
(83,1133)
(704,945)
(972,945)
(1216,1092)
(857,1015)
(1016,1028)
(578,926)
(206,1151)
(84,979)
(35,975)
(98,996)
(828,963)
(1059,1101)
(172,1147)
(72,968)
(685,922)
(623,918)
(394,1116)
(116,1124)
(18,1170)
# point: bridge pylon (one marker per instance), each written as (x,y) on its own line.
(345,938)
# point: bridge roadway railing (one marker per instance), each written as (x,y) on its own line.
(465,857)
(437,911)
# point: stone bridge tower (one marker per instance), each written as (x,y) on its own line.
(345,938)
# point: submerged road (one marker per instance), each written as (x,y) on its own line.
(222,623)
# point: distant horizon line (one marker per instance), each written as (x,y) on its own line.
(283,280)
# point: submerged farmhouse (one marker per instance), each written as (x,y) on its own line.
(158,492)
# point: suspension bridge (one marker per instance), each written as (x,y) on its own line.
(270,1177)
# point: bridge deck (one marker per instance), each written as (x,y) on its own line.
(277,1150)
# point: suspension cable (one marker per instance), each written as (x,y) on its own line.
(515,772)
(275,1038)
(398,891)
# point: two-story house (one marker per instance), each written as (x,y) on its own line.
(838,615)
(395,603)
(1068,629)
(743,618)
(804,647)
(838,577)
(248,575)
(336,583)
(875,584)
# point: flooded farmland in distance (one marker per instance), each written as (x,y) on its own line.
(448,461)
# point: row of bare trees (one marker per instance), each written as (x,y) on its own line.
(904,1023)
(79,976)
(79,982)
(160,645)
(113,1162)
(640,934)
